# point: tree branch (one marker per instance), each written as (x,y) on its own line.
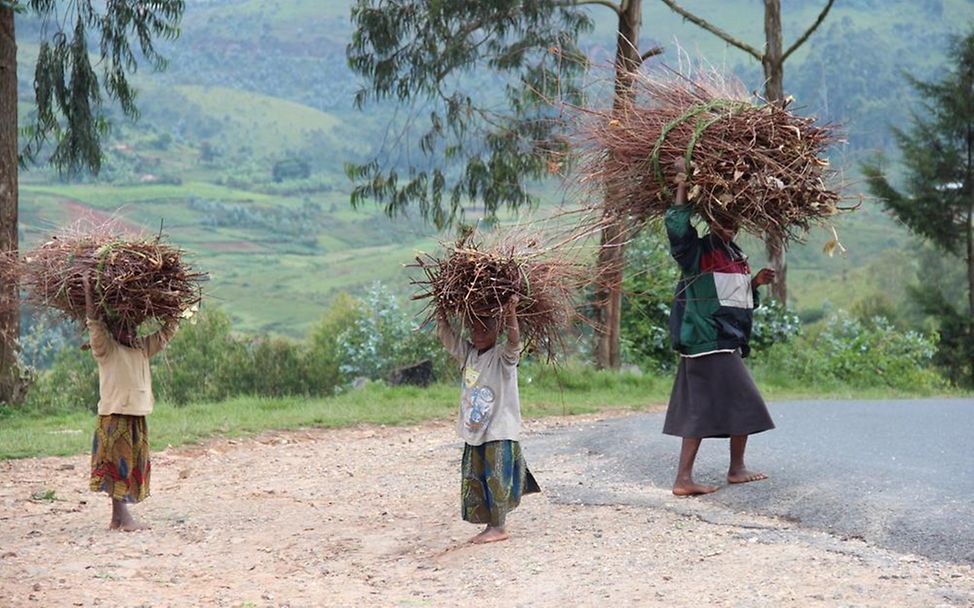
(808,32)
(615,7)
(656,50)
(747,48)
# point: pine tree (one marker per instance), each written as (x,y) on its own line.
(937,201)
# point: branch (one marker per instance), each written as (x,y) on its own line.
(747,48)
(808,32)
(656,50)
(615,7)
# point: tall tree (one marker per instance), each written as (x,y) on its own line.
(486,73)
(772,60)
(938,157)
(70,118)
(9,313)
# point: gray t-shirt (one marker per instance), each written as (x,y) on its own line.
(490,409)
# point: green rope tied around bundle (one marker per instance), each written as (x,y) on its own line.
(102,253)
(701,126)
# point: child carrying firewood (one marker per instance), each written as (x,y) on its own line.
(494,475)
(120,463)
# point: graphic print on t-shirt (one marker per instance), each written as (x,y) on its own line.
(478,401)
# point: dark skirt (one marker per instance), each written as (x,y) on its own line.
(715,396)
(494,476)
(120,458)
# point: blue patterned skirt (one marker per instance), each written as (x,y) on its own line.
(494,476)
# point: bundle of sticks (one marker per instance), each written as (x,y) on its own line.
(474,279)
(758,164)
(132,279)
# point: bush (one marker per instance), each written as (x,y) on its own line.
(70,384)
(773,324)
(383,337)
(204,362)
(849,352)
(648,284)
(324,355)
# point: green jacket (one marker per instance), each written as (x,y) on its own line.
(714,300)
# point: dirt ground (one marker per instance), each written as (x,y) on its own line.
(369,516)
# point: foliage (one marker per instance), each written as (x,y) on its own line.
(648,283)
(847,79)
(382,338)
(854,353)
(773,324)
(42,335)
(202,363)
(206,361)
(67,89)
(325,351)
(936,151)
(291,168)
(429,53)
(955,352)
(938,154)
(71,383)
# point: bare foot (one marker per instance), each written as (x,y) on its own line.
(689,488)
(129,524)
(490,535)
(744,476)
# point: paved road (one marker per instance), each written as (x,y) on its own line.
(898,474)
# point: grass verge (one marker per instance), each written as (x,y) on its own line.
(570,391)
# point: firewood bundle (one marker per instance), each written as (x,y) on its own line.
(473,279)
(758,164)
(132,280)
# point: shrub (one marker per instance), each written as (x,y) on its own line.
(853,353)
(383,337)
(70,384)
(648,285)
(202,363)
(773,324)
(324,355)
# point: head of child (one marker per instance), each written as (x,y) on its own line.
(723,227)
(483,331)
(124,333)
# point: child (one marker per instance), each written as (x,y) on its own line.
(120,450)
(494,475)
(714,394)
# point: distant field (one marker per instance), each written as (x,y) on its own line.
(256,81)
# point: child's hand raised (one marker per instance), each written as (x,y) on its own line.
(512,305)
(90,310)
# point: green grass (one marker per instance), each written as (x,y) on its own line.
(272,127)
(109,197)
(25,435)
(572,390)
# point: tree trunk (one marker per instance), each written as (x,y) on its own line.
(970,261)
(774,92)
(608,293)
(9,311)
(969,187)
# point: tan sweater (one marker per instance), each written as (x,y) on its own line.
(124,380)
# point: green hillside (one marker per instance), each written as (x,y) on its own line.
(252,83)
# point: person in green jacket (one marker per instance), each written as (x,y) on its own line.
(710,324)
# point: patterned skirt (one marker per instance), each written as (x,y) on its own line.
(494,476)
(120,458)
